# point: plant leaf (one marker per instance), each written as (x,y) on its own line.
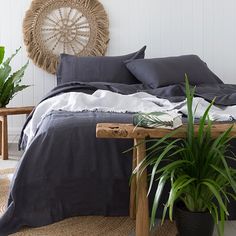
(162,155)
(19,88)
(158,193)
(16,76)
(2,53)
(5,71)
(7,62)
(217,195)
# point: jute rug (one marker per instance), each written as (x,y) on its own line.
(80,226)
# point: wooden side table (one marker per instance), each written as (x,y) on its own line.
(4,112)
(139,186)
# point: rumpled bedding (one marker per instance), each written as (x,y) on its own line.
(66,171)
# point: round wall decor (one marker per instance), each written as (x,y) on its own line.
(52,27)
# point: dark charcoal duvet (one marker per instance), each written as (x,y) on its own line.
(66,171)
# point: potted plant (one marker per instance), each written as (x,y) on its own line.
(9,82)
(201,182)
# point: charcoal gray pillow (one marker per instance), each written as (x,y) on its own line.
(97,69)
(159,72)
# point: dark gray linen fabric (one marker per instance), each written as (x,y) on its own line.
(66,171)
(99,68)
(159,72)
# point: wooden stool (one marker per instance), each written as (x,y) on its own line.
(4,112)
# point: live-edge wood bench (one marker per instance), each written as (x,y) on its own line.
(139,185)
(4,112)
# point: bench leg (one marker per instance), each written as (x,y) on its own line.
(132,209)
(142,212)
(4,138)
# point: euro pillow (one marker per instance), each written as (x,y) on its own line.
(159,72)
(97,68)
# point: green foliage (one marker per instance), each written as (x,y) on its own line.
(151,119)
(196,167)
(10,83)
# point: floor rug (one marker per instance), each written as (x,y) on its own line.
(80,226)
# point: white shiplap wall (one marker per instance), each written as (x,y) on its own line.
(167,27)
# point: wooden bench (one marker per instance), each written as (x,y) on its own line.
(4,112)
(139,186)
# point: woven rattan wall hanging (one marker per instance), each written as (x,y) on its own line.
(77,27)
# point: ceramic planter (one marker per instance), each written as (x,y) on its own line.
(193,223)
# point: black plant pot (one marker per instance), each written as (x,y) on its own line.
(193,223)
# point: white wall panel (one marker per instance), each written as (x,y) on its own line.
(167,27)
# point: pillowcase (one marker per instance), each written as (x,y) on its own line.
(159,72)
(97,68)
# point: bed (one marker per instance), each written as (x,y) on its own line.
(65,171)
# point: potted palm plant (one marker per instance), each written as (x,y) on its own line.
(201,182)
(9,82)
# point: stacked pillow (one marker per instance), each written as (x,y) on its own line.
(97,69)
(159,72)
(134,69)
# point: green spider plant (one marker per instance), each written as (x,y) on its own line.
(195,166)
(9,82)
